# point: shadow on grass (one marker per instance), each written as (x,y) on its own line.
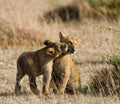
(7,94)
(93,62)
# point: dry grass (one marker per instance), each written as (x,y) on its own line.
(22,21)
(95,42)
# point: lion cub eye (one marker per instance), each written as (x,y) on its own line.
(70,42)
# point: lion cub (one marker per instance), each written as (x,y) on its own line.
(35,63)
(65,75)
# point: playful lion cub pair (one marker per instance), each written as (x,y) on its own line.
(54,62)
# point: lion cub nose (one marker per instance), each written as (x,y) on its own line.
(72,50)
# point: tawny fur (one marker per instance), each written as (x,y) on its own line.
(66,75)
(35,63)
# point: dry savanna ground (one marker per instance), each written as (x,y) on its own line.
(97,39)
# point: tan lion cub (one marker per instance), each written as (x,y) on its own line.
(65,73)
(35,63)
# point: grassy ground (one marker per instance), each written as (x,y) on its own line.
(96,41)
(98,38)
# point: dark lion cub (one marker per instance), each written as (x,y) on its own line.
(35,63)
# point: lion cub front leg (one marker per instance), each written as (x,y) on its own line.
(46,80)
(64,82)
(33,85)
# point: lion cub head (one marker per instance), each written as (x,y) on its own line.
(70,41)
(55,48)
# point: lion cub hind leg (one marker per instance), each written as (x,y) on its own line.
(71,90)
(19,77)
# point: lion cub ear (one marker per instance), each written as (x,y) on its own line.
(50,51)
(61,36)
(48,42)
(77,41)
